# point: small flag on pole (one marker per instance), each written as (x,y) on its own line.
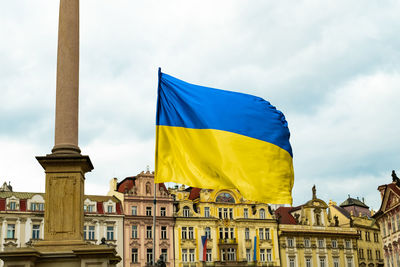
(203,248)
(217,139)
(255,249)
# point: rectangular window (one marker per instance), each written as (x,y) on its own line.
(206,212)
(246,213)
(220,213)
(207,232)
(361,253)
(184,255)
(91,232)
(378,254)
(110,209)
(307,242)
(11,231)
(334,243)
(184,232)
(248,255)
(110,232)
(149,255)
(149,231)
(191,255)
(13,205)
(267,234)
(41,206)
(369,254)
(163,232)
(348,244)
(225,213)
(393,225)
(208,255)
(148,211)
(134,255)
(398,221)
(320,243)
(335,262)
(321,262)
(35,231)
(164,254)
(291,262)
(290,242)
(261,233)
(247,233)
(231,213)
(232,233)
(221,233)
(134,210)
(376,238)
(191,233)
(360,234)
(90,208)
(33,207)
(269,254)
(84,232)
(349,262)
(134,231)
(231,254)
(163,211)
(308,262)
(262,255)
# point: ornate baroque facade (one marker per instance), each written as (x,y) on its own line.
(137,194)
(309,237)
(388,217)
(231,225)
(356,214)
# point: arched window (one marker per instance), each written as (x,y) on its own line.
(262,213)
(186,211)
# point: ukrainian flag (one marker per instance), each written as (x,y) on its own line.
(217,139)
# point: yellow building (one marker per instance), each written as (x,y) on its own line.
(231,225)
(354,213)
(309,237)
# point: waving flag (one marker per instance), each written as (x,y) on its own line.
(217,139)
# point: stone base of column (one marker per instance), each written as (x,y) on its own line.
(84,256)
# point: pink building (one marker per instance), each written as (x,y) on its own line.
(138,196)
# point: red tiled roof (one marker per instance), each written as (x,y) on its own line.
(284,214)
(126,184)
(194,193)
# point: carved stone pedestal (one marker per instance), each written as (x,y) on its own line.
(86,256)
(63,244)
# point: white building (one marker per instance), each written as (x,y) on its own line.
(22,219)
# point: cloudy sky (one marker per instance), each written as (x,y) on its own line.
(333,69)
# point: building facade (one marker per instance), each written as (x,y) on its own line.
(138,197)
(22,220)
(356,214)
(388,218)
(238,232)
(309,237)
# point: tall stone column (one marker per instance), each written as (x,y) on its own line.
(67,90)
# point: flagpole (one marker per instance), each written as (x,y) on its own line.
(154,226)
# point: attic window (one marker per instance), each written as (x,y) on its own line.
(13,205)
(186,211)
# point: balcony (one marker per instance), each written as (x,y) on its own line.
(228,241)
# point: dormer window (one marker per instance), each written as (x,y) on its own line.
(110,209)
(37,206)
(186,211)
(262,214)
(13,205)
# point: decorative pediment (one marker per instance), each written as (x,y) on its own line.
(134,243)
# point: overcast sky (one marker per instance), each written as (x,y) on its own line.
(332,67)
